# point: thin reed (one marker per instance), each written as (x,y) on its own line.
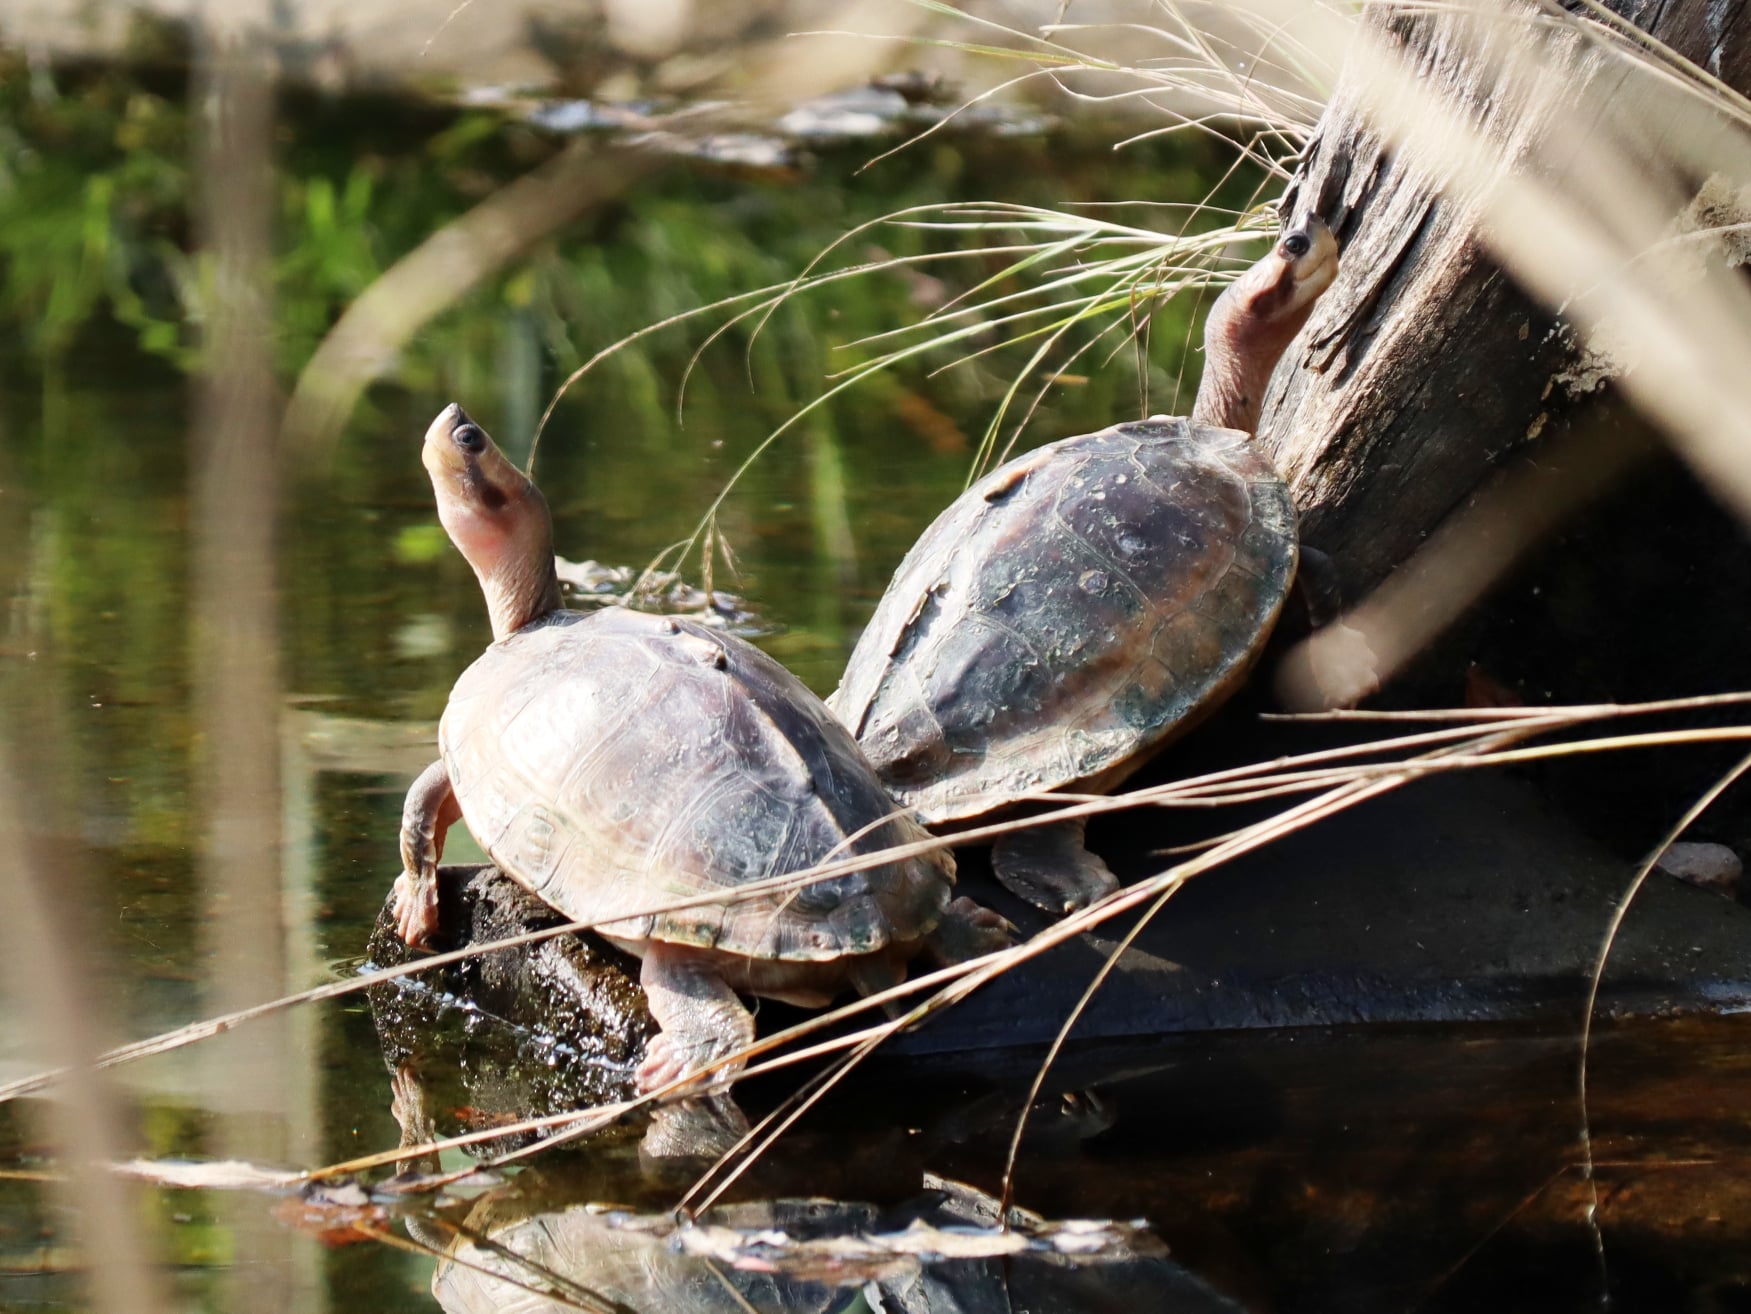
(1336,778)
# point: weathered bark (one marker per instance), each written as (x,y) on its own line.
(1426,365)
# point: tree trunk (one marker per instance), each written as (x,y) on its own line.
(1427,365)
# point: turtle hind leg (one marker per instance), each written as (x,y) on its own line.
(967,931)
(1051,867)
(701,1018)
(1318,589)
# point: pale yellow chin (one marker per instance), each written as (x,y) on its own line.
(432,456)
(438,429)
(1311,284)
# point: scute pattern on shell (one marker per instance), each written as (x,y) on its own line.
(1068,613)
(614,760)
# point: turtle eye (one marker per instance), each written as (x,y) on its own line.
(469,438)
(1297,245)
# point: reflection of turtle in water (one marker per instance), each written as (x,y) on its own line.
(615,763)
(803,1257)
(1082,604)
(540,1244)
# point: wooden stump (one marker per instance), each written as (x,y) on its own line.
(1426,366)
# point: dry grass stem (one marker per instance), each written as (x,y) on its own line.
(1191,791)
(950,985)
(1346,795)
(1154,892)
(1613,927)
(40,940)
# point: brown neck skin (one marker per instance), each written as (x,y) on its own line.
(522,585)
(500,522)
(1242,346)
(496,517)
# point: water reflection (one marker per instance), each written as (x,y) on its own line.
(558,1027)
(545,1240)
(1366,1169)
(936,1256)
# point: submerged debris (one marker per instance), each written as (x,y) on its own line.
(860,1254)
(589,584)
(885,108)
(1711,866)
(209,1174)
(901,103)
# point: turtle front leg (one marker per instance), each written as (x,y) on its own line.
(431,809)
(701,1017)
(1051,868)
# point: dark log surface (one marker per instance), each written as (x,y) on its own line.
(1462,899)
(1425,365)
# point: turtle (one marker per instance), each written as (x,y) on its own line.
(1082,604)
(616,762)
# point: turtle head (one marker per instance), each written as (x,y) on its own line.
(1253,322)
(1282,288)
(496,516)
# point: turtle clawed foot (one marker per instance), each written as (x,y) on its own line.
(970,930)
(693,1121)
(666,1060)
(1049,867)
(407,1102)
(416,907)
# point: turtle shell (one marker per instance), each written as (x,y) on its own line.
(615,761)
(1069,613)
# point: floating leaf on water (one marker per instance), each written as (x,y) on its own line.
(337,1215)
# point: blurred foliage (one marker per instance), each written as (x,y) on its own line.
(95,223)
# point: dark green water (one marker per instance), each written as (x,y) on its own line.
(1248,1164)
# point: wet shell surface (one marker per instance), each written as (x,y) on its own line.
(615,761)
(1069,613)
